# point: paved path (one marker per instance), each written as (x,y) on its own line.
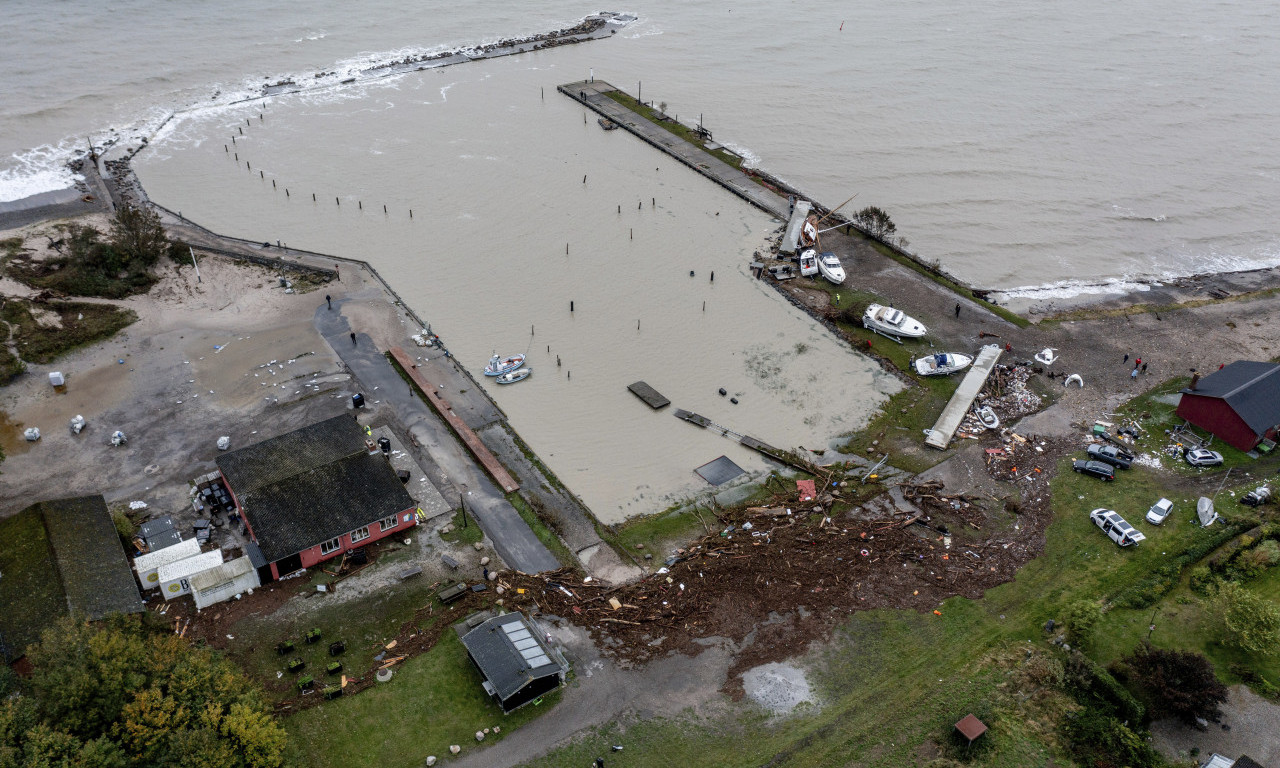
(592,94)
(514,541)
(455,422)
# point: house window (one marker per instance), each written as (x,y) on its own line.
(330,546)
(387,524)
(360,534)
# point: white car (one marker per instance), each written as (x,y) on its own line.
(1159,511)
(1200,457)
(1115,526)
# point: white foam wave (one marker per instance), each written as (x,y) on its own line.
(43,169)
(1067,289)
(749,159)
(1128,213)
(312,36)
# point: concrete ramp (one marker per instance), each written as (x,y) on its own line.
(791,240)
(963,398)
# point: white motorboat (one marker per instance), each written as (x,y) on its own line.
(988,417)
(511,377)
(500,365)
(891,322)
(830,267)
(808,262)
(941,364)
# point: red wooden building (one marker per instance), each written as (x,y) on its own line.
(310,495)
(1240,404)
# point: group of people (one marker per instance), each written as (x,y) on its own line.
(1138,366)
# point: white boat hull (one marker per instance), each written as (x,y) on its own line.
(500,365)
(831,268)
(892,322)
(511,377)
(951,362)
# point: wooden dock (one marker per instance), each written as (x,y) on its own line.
(747,441)
(651,396)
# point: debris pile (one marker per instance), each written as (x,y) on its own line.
(1006,392)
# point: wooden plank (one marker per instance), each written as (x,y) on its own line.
(692,418)
(651,396)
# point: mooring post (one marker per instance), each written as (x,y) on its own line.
(233,139)
(262,175)
(241,131)
(704,305)
(361,204)
(570,306)
(313,197)
(273,184)
(225,148)
(566,249)
(384,207)
(411,213)
(237,158)
(247,165)
(336,201)
(286,191)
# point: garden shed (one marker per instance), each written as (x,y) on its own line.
(1239,404)
(518,666)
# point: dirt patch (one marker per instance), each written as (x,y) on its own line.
(779,688)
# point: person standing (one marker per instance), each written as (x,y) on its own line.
(1134,374)
(1137,363)
(328,300)
(1144,367)
(1126,357)
(353,338)
(957,309)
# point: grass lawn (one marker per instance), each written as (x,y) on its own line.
(893,680)
(30,589)
(433,701)
(679,129)
(540,529)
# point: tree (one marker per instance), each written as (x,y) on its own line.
(1248,621)
(1080,618)
(875,221)
(138,237)
(1179,683)
(117,693)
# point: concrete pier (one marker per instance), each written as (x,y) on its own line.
(592,95)
(964,396)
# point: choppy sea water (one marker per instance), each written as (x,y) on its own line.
(1020,145)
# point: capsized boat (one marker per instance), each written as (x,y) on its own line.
(808,262)
(500,365)
(892,322)
(830,267)
(511,377)
(941,364)
(809,232)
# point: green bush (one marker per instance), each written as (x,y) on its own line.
(1161,580)
(1080,618)
(1093,686)
(1249,622)
(1096,738)
(1203,581)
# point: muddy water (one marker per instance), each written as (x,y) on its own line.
(494,174)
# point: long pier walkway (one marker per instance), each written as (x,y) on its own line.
(592,95)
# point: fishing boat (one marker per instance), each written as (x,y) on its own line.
(511,377)
(500,365)
(988,417)
(830,267)
(891,322)
(808,262)
(941,364)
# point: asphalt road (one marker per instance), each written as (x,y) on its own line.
(514,541)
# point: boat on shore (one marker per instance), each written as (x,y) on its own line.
(830,267)
(891,322)
(941,364)
(500,365)
(511,377)
(808,262)
(988,417)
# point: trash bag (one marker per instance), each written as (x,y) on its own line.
(1046,355)
(224,443)
(118,438)
(1073,377)
(77,424)
(31,433)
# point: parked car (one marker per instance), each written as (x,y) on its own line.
(1159,511)
(1095,468)
(1111,454)
(1201,457)
(1115,526)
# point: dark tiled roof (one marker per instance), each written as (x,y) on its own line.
(1252,389)
(95,574)
(309,486)
(509,653)
(1247,762)
(273,460)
